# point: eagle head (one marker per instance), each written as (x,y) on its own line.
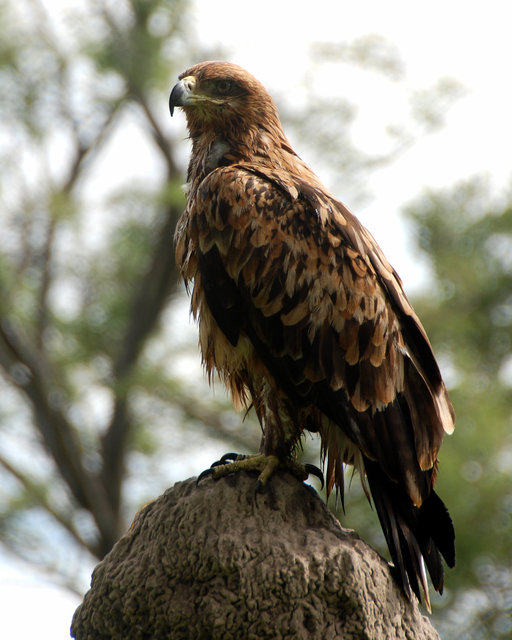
(223,97)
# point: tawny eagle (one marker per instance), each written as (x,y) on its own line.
(303,318)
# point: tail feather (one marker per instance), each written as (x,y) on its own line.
(415,569)
(416,536)
(434,516)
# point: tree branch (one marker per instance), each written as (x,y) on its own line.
(42,306)
(151,295)
(31,374)
(213,425)
(161,140)
(148,301)
(35,490)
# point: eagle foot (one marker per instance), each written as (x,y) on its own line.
(266,465)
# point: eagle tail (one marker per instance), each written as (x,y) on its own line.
(416,536)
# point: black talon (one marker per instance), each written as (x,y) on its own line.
(204,474)
(225,459)
(315,471)
(259,487)
(230,457)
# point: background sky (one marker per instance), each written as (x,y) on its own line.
(469,41)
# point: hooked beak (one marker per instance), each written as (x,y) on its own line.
(182,93)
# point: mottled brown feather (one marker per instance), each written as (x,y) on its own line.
(301,314)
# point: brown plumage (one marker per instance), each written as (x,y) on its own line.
(303,317)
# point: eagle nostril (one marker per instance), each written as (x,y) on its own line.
(189,83)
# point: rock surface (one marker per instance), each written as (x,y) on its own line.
(213,562)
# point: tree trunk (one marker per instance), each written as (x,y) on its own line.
(216,561)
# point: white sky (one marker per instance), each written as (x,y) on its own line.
(468,40)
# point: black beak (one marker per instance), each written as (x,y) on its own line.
(180,94)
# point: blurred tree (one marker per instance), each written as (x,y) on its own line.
(86,270)
(468,313)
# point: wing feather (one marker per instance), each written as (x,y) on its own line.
(320,299)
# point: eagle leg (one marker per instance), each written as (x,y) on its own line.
(265,464)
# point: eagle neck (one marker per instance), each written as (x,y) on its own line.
(263,145)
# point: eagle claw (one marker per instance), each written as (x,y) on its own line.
(205,474)
(313,470)
(227,458)
(230,457)
(265,464)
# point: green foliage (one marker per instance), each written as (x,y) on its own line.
(468,315)
(135,38)
(87,267)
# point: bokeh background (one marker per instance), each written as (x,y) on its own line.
(402,108)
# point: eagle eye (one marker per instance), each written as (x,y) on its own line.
(223,87)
